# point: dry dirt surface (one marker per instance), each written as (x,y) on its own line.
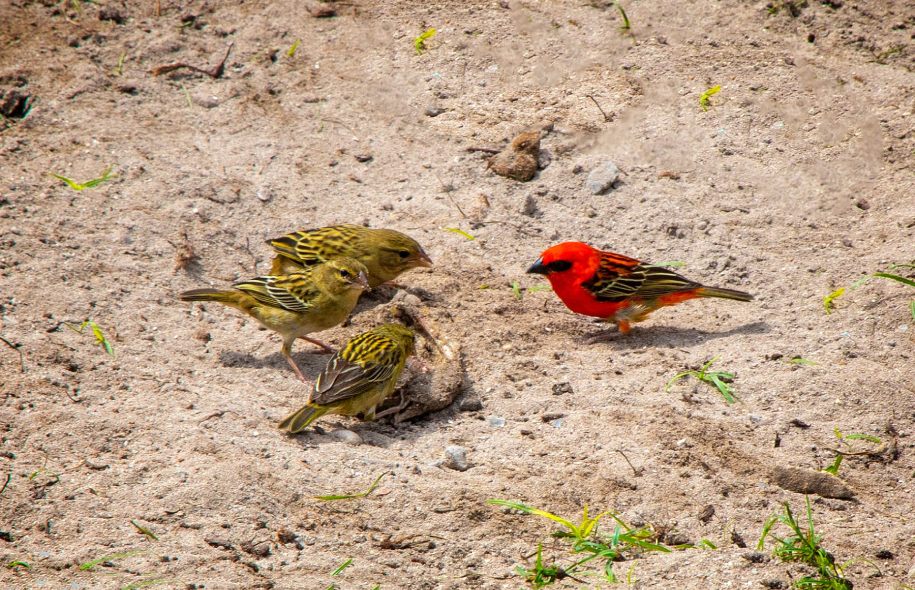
(797,180)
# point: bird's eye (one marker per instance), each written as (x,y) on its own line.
(345,274)
(559,265)
(403,253)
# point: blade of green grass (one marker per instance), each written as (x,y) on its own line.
(897,278)
(15,564)
(292,49)
(459,232)
(97,332)
(149,534)
(343,567)
(85,567)
(626,26)
(334,497)
(516,289)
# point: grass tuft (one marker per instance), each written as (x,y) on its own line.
(626,26)
(587,543)
(16,563)
(803,546)
(719,379)
(81,186)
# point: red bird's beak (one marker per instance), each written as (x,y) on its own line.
(538,268)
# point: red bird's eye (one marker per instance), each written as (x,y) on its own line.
(559,265)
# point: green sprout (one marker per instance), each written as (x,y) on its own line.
(292,49)
(516,289)
(670,264)
(704,97)
(587,544)
(719,379)
(97,332)
(459,232)
(843,438)
(371,489)
(828,301)
(803,545)
(800,361)
(81,186)
(419,43)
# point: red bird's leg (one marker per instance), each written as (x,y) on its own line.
(326,348)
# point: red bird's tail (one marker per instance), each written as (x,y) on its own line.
(723,293)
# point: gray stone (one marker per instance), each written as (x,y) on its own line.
(346,436)
(601,178)
(456,458)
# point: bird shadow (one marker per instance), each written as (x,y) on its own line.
(311,362)
(670,336)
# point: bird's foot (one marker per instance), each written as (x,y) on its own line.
(325,347)
(296,368)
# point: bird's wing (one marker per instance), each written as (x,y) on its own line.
(620,277)
(294,292)
(311,246)
(365,362)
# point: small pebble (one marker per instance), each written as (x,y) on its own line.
(496,421)
(456,458)
(434,111)
(601,179)
(470,405)
(363,157)
(346,436)
(561,388)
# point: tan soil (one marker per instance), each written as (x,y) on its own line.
(796,181)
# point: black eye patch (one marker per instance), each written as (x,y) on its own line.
(559,265)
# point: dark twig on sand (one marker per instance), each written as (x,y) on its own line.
(215,72)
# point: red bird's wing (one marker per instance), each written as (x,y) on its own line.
(619,278)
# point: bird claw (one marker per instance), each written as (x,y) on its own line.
(325,348)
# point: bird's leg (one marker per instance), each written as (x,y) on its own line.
(623,328)
(369,415)
(286,351)
(326,348)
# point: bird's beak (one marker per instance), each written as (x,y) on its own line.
(422,259)
(538,268)
(362,281)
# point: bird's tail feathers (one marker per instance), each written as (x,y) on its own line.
(207,295)
(724,293)
(302,418)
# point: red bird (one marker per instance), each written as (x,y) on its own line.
(617,288)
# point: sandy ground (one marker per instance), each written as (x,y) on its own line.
(796,181)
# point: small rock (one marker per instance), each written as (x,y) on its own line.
(321,10)
(113,14)
(544,159)
(434,111)
(561,388)
(862,204)
(363,157)
(346,436)
(218,542)
(530,207)
(261,549)
(456,458)
(707,513)
(550,416)
(264,195)
(755,557)
(884,554)
(496,421)
(601,179)
(519,160)
(807,481)
(774,584)
(470,405)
